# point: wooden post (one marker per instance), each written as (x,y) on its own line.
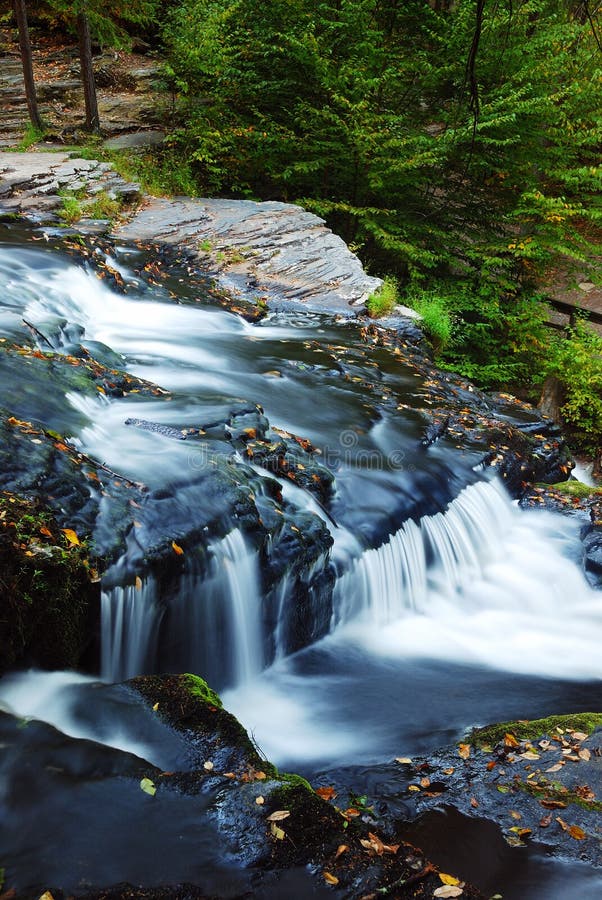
(25,48)
(87,71)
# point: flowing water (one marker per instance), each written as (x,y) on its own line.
(450,608)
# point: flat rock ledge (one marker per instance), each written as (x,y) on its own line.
(273,252)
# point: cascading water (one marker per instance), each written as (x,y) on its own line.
(438,621)
(212,624)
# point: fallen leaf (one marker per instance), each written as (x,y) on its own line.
(553,804)
(278,833)
(208,766)
(585,754)
(404,760)
(260,801)
(474,802)
(503,789)
(464,750)
(45,531)
(156,706)
(425,782)
(515,814)
(326,793)
(545,821)
(342,848)
(555,768)
(71,536)
(448,890)
(413,787)
(448,879)
(510,740)
(176,548)
(579,735)
(330,879)
(529,755)
(451,770)
(491,765)
(577,833)
(138,583)
(46,896)
(279,815)
(148,787)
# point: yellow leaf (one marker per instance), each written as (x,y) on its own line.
(279,815)
(448,879)
(46,896)
(176,548)
(331,879)
(71,536)
(148,787)
(156,706)
(277,832)
(577,833)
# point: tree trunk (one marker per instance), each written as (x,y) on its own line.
(85,61)
(25,47)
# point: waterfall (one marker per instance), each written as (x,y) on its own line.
(442,556)
(209,622)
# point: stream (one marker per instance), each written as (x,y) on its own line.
(448,606)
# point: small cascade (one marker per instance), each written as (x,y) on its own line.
(209,621)
(442,552)
(130,619)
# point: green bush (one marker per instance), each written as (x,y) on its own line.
(437,322)
(576,362)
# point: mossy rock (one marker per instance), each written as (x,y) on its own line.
(47,591)
(530,730)
(575,488)
(189,705)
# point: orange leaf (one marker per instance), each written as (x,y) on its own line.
(45,531)
(326,793)
(577,833)
(510,741)
(176,548)
(330,879)
(464,750)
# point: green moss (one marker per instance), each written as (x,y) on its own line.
(199,688)
(491,735)
(383,300)
(290,780)
(575,489)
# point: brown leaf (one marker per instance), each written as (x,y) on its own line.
(491,765)
(425,782)
(474,802)
(330,879)
(553,804)
(342,848)
(577,833)
(545,821)
(45,531)
(450,771)
(585,754)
